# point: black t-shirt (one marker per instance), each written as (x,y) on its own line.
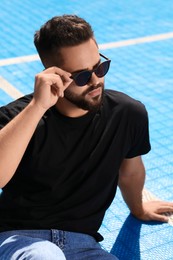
(68,175)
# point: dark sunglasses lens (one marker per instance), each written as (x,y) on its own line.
(102,69)
(82,78)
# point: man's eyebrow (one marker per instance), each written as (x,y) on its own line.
(78,71)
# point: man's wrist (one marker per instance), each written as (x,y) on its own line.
(138,212)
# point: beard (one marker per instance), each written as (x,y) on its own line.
(81,101)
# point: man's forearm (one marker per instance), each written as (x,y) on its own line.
(131,185)
(132,194)
(14,138)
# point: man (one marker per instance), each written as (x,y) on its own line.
(65,148)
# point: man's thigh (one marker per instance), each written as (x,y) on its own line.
(89,254)
(24,247)
(84,247)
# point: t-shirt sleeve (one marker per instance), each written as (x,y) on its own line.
(138,131)
(8,112)
(6,115)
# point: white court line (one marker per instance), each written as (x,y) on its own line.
(111,45)
(152,38)
(9,89)
(21,59)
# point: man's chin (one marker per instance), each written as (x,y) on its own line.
(94,103)
(88,102)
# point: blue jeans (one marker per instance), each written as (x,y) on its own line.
(50,244)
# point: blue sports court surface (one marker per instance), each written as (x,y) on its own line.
(137,35)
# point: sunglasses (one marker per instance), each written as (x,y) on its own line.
(83,77)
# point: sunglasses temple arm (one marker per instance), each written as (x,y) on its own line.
(103,56)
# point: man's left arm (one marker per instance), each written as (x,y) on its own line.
(131,183)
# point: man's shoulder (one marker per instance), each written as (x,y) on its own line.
(119,101)
(19,103)
(119,97)
(10,110)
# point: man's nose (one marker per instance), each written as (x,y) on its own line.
(94,80)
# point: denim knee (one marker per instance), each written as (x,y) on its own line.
(43,250)
(22,247)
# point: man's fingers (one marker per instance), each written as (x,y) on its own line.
(65,77)
(162,206)
(157,211)
(56,83)
(60,74)
(55,70)
(164,203)
(160,218)
(57,88)
(164,209)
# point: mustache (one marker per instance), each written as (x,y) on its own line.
(93,87)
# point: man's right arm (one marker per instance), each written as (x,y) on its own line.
(15,136)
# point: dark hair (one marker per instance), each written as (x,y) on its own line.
(58,32)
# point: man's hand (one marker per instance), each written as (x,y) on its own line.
(131,183)
(154,210)
(49,86)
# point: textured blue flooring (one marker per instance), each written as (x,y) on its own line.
(144,71)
